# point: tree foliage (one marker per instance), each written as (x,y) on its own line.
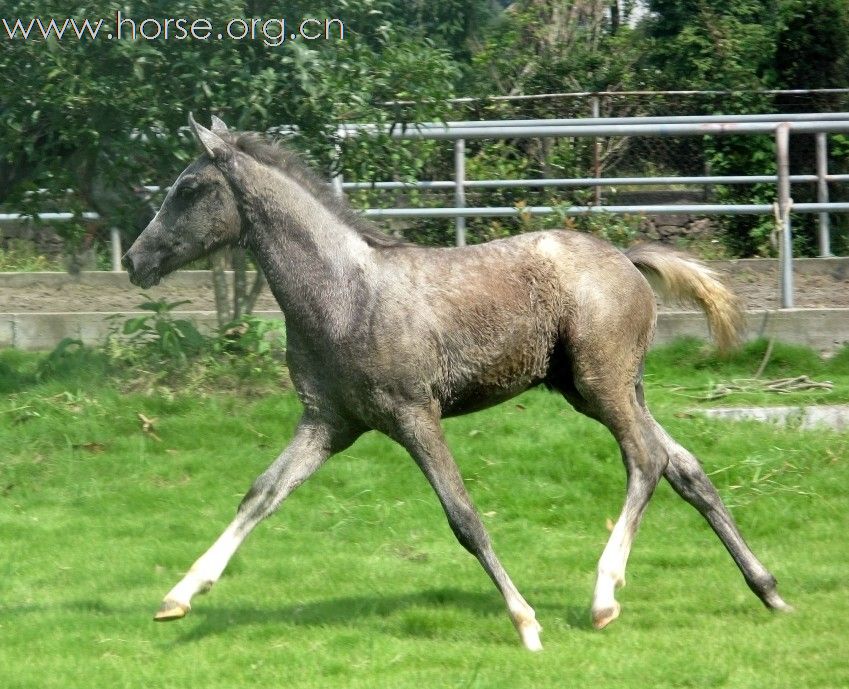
(98,116)
(812,46)
(102,117)
(716,44)
(545,46)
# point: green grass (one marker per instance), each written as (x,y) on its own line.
(358,582)
(21,256)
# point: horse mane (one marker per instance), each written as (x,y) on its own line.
(274,154)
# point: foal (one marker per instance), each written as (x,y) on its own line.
(388,336)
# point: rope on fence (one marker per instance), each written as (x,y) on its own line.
(780,224)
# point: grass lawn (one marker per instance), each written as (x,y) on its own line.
(358,582)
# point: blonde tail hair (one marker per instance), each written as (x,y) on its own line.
(685,280)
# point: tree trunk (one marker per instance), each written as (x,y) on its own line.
(231,306)
(219,285)
(239,281)
(256,288)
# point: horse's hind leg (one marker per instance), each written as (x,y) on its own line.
(312,444)
(422,436)
(617,408)
(689,480)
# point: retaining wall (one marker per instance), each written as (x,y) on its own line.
(821,329)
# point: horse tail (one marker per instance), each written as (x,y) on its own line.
(687,281)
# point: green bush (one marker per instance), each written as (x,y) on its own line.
(156,336)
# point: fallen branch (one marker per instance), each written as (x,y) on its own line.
(780,386)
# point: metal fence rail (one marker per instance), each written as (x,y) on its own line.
(670,209)
(623,128)
(347,130)
(591,182)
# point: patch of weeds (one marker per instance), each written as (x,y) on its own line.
(253,336)
(17,371)
(783,360)
(70,358)
(158,352)
(21,256)
(250,354)
(156,336)
(755,477)
(70,363)
(839,362)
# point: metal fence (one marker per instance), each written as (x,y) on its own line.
(780,126)
(595,131)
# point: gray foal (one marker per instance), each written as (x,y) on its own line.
(390,336)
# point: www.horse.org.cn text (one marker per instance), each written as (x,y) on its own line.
(272,32)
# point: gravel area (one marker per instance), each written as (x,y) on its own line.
(46,297)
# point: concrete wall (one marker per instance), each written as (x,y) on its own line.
(821,329)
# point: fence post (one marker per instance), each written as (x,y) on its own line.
(115,245)
(460,189)
(336,179)
(822,193)
(596,113)
(782,134)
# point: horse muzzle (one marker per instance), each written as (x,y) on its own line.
(139,274)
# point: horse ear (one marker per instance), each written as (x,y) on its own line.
(218,149)
(218,126)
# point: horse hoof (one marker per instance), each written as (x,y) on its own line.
(776,603)
(170,610)
(530,636)
(603,617)
(782,607)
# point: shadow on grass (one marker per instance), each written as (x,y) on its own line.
(215,618)
(70,363)
(420,615)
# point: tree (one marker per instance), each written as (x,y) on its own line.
(101,117)
(812,47)
(812,51)
(544,46)
(709,44)
(722,45)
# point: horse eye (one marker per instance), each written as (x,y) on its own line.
(190,187)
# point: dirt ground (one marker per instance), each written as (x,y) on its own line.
(46,297)
(817,285)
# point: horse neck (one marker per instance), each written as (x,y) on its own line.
(315,263)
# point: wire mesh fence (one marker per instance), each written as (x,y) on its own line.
(667,156)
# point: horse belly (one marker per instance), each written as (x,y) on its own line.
(483,376)
(475,398)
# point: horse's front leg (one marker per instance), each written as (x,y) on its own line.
(313,443)
(421,434)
